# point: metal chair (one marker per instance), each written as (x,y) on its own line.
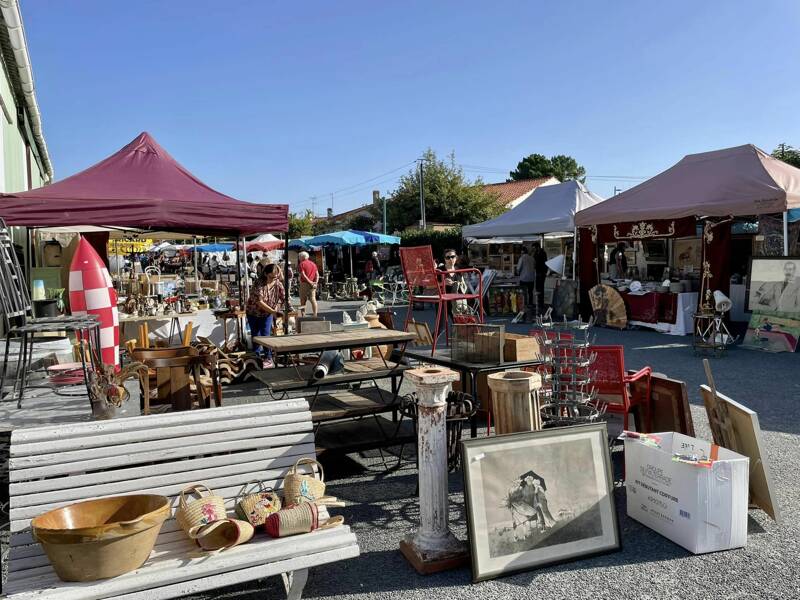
(420,272)
(611,381)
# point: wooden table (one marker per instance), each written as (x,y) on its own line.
(344,412)
(469,371)
(174,326)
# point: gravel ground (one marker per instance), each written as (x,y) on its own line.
(381,508)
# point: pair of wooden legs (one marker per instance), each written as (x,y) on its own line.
(294,582)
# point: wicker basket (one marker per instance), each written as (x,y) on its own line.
(257,506)
(299,488)
(303,518)
(206,508)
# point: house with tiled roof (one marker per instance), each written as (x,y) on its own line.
(511,193)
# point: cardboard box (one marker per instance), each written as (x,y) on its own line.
(700,506)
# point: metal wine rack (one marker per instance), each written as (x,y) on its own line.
(567,393)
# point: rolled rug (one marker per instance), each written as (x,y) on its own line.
(329,363)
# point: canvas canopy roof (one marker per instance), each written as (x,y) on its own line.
(738,181)
(549,209)
(141,186)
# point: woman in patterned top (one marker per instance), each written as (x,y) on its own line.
(266,297)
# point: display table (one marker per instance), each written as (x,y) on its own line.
(665,312)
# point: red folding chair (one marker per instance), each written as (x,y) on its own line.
(421,273)
(611,382)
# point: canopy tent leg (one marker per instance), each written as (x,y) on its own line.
(196,271)
(351,260)
(574,251)
(286,284)
(786,233)
(239,271)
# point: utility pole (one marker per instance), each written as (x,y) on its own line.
(376,197)
(617,190)
(331,201)
(421,196)
(314,205)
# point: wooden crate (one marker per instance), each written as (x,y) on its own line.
(516,347)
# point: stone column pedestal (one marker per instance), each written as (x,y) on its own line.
(515,403)
(433,547)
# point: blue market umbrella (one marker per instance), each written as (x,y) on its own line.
(215,248)
(339,238)
(377,238)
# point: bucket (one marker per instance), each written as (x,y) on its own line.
(102,538)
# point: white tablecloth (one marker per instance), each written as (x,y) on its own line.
(684,316)
(204,324)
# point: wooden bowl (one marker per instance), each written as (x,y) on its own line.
(102,538)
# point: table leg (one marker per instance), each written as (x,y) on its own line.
(473,421)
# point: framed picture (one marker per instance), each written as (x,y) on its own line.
(771,333)
(687,254)
(773,286)
(538,498)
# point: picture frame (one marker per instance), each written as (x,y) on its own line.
(528,506)
(766,293)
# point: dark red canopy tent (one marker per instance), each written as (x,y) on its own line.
(141,186)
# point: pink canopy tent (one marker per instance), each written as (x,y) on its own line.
(738,181)
(140,186)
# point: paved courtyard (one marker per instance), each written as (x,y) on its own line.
(381,507)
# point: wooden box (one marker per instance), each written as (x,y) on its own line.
(516,347)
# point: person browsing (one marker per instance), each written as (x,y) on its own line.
(309,278)
(263,306)
(526,269)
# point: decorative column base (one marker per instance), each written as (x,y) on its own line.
(448,553)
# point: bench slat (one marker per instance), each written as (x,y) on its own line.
(302,436)
(125,438)
(177,567)
(250,574)
(270,468)
(302,423)
(70,430)
(138,472)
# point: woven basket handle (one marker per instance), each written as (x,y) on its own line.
(195,487)
(309,461)
(243,492)
(332,522)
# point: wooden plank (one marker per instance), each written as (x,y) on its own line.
(363,434)
(156,480)
(156,446)
(242,575)
(131,424)
(235,445)
(351,403)
(163,468)
(332,340)
(126,438)
(668,407)
(177,567)
(744,437)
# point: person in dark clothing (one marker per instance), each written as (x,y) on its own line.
(617,263)
(539,260)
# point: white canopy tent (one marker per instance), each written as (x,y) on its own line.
(549,209)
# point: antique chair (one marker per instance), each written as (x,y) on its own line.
(426,284)
(611,381)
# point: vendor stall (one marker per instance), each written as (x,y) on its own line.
(547,217)
(681,226)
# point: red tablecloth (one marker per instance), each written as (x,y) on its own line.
(652,307)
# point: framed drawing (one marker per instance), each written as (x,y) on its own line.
(537,498)
(772,333)
(687,254)
(736,427)
(773,286)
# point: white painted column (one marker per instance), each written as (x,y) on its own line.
(433,547)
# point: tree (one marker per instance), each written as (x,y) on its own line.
(787,154)
(361,223)
(535,166)
(301,224)
(449,196)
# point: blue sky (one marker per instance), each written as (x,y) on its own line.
(282,101)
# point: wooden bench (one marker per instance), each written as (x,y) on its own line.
(160,454)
